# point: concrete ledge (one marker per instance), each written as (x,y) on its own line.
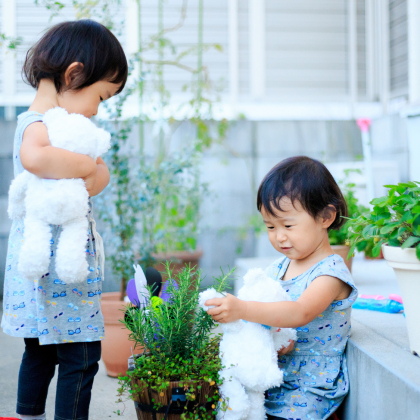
(384,377)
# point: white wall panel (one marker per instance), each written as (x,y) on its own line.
(243,29)
(1,61)
(215,31)
(398,48)
(306,49)
(361,50)
(32,21)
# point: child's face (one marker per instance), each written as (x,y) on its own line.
(86,101)
(294,232)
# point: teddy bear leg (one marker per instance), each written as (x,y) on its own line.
(35,254)
(70,263)
(236,398)
(17,193)
(256,406)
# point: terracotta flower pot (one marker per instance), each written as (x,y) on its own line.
(116,348)
(343,251)
(144,404)
(407,269)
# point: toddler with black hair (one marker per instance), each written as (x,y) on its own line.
(74,66)
(300,201)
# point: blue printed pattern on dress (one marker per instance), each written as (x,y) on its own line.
(315,372)
(48,308)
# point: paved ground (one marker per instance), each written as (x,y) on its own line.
(371,277)
(103,396)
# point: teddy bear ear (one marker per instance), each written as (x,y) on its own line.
(253,276)
(103,142)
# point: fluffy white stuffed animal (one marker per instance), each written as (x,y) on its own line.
(45,202)
(248,351)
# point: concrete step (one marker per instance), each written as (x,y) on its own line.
(384,375)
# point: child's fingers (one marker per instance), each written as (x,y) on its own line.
(215,311)
(214,302)
(288,349)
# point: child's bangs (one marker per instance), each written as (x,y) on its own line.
(273,191)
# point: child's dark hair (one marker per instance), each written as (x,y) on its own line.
(84,41)
(307,181)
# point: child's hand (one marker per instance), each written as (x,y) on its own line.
(90,180)
(227,309)
(287,349)
(98,179)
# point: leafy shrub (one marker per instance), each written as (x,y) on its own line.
(394,219)
(340,236)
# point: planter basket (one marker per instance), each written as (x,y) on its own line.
(407,269)
(173,400)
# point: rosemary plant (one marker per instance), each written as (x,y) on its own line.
(178,342)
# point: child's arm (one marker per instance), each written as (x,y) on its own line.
(40,158)
(313,301)
(101,179)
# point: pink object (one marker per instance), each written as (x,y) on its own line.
(364,124)
(376,297)
(397,298)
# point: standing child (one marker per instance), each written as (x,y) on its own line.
(300,201)
(76,66)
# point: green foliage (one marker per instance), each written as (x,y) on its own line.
(156,375)
(177,339)
(10,43)
(88,9)
(395,220)
(178,328)
(366,246)
(340,236)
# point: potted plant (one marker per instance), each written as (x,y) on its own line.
(151,209)
(394,226)
(366,246)
(177,373)
(339,238)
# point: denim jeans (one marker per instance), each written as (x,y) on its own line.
(77,367)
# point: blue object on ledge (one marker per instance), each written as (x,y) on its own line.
(383,305)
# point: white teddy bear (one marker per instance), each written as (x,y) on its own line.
(248,351)
(45,202)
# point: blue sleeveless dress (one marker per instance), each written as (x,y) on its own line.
(48,308)
(315,373)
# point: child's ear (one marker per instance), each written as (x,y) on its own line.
(74,71)
(328,216)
